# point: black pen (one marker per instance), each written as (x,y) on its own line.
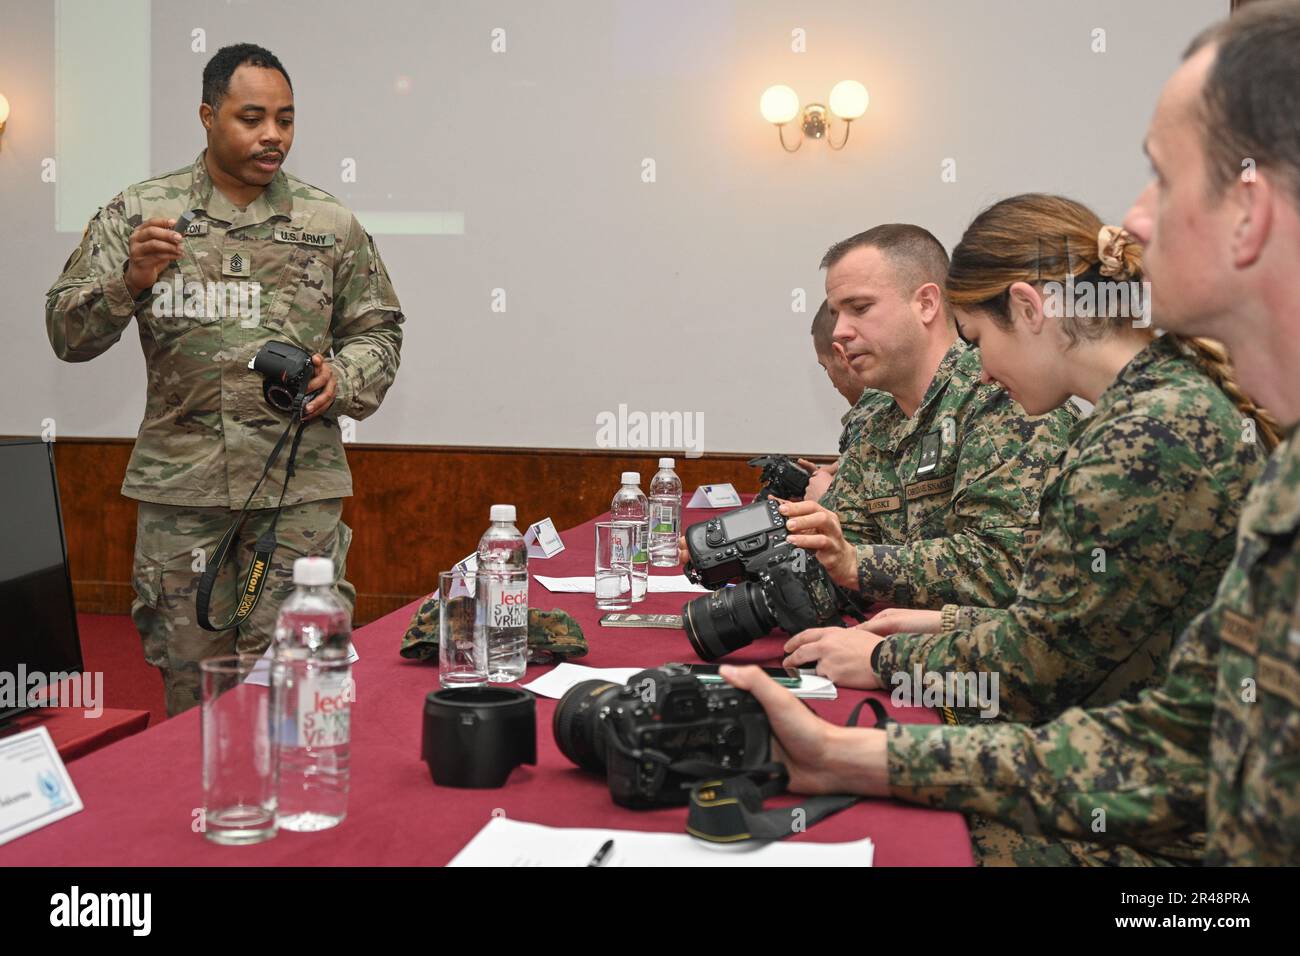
(602,854)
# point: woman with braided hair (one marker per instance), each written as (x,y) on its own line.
(1137,522)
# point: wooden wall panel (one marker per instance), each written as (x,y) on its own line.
(417,509)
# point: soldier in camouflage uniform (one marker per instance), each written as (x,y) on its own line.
(1139,518)
(945,480)
(1215,748)
(267,258)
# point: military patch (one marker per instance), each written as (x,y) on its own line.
(196,229)
(236,264)
(935,486)
(1280,678)
(931,446)
(877,506)
(306,238)
(1031,537)
(1239,631)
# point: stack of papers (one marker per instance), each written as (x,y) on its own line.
(506,842)
(557,681)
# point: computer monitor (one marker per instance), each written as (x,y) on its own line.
(38,619)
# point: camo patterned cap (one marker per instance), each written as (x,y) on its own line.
(552,634)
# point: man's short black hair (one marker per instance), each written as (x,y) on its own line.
(823,330)
(222,66)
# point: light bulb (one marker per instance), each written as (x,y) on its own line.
(849,99)
(779,104)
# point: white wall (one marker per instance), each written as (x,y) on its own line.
(540,150)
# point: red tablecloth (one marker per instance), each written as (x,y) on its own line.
(143,793)
(76,734)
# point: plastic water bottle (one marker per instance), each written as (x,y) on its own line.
(503,600)
(665,514)
(311,701)
(631,507)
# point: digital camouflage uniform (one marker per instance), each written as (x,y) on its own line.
(942,500)
(854,423)
(1138,526)
(309,275)
(1214,749)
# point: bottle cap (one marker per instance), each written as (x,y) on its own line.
(667,463)
(631,478)
(503,513)
(313,571)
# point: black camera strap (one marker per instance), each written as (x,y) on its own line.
(729,809)
(258,570)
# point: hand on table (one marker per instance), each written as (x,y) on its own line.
(842,654)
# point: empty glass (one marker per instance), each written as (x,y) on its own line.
(462,643)
(615,546)
(239,770)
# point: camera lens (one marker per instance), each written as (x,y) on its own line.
(577,724)
(279,397)
(717,624)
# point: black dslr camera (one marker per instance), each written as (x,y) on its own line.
(780,478)
(784,586)
(642,734)
(285,370)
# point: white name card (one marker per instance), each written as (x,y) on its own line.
(543,540)
(714,496)
(35,789)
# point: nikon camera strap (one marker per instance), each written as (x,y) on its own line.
(730,809)
(258,570)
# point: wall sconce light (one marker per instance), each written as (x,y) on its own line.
(4,113)
(780,105)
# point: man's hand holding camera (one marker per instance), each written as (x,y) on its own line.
(820,757)
(818,530)
(324,381)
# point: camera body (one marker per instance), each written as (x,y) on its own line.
(285,370)
(783,586)
(663,716)
(721,547)
(780,477)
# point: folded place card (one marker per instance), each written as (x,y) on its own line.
(35,789)
(543,540)
(714,496)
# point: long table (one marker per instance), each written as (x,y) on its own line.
(143,794)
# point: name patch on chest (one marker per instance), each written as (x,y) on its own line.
(305,238)
(877,506)
(935,486)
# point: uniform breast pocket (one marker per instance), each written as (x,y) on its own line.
(304,300)
(180,303)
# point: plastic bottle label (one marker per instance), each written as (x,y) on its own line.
(507,604)
(663,519)
(325,710)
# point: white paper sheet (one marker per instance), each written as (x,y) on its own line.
(556,682)
(506,842)
(657,584)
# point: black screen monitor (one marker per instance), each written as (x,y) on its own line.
(38,620)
